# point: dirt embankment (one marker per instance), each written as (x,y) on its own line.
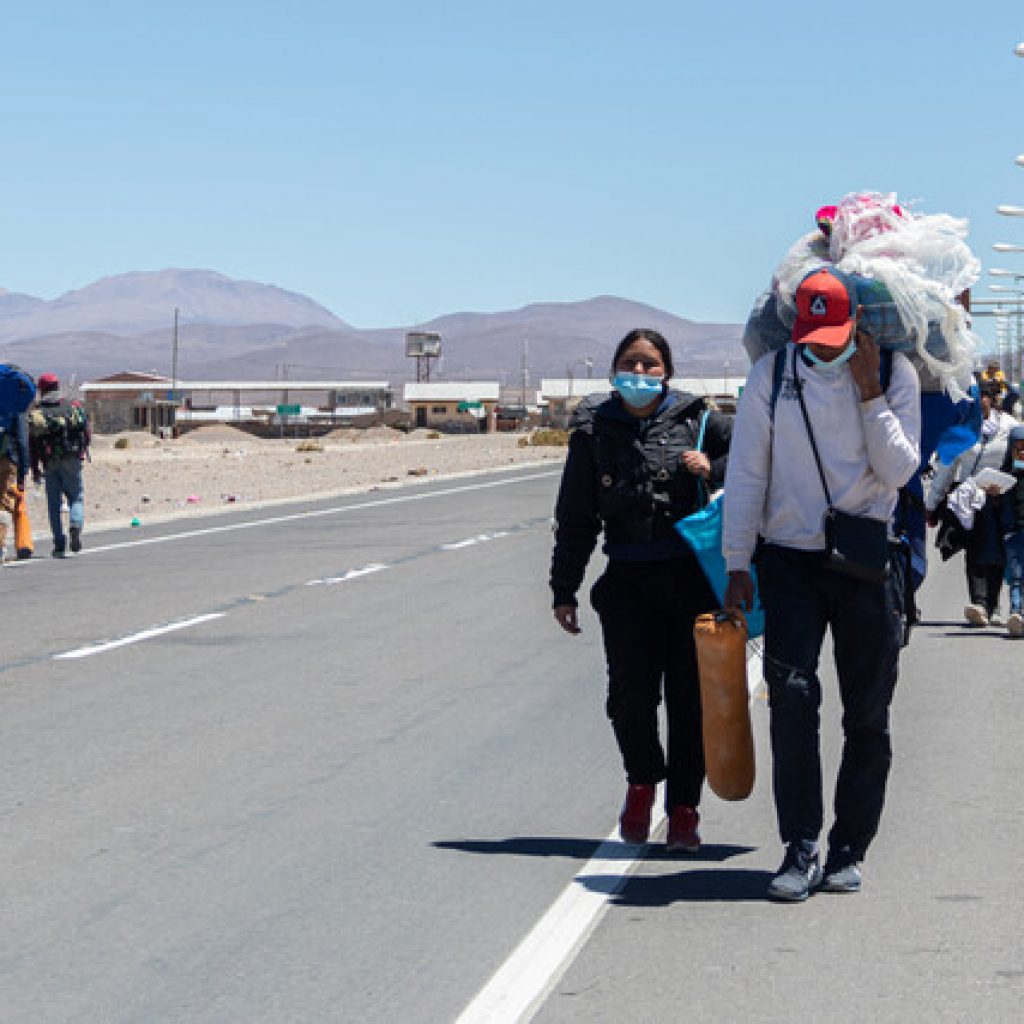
(219,467)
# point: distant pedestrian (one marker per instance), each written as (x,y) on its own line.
(634,468)
(14,464)
(822,445)
(993,375)
(59,437)
(984,555)
(1011,519)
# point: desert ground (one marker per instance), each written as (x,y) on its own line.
(218,468)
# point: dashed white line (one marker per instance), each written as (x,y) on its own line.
(146,634)
(352,574)
(480,538)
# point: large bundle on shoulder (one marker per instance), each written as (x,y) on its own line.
(910,270)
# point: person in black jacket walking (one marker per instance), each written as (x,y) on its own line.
(633,470)
(1011,520)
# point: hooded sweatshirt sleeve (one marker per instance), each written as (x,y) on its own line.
(892,426)
(746,479)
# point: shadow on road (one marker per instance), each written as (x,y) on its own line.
(729,885)
(584,849)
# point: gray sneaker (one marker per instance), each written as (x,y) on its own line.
(799,874)
(841,878)
(1015,624)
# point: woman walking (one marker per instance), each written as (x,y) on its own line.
(639,460)
(984,556)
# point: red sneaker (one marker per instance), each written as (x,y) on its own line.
(635,819)
(682,830)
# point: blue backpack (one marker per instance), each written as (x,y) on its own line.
(17,390)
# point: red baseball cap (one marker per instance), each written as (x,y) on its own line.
(825,309)
(48,382)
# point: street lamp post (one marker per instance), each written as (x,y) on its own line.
(589,364)
(1017,350)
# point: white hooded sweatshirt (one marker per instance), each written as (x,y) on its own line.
(868,449)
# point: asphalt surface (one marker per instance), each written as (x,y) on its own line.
(331,762)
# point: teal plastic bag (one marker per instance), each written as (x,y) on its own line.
(703,532)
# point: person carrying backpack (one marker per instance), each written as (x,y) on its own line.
(17,389)
(59,437)
(818,482)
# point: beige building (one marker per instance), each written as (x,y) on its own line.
(463,407)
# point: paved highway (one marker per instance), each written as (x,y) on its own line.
(333,762)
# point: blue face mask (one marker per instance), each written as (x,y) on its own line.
(832,365)
(637,389)
(1018,463)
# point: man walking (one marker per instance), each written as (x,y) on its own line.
(59,438)
(822,442)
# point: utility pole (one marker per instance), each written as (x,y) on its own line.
(174,361)
(526,372)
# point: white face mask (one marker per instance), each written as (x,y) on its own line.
(833,365)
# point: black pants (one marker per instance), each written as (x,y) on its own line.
(647,611)
(985,560)
(801,599)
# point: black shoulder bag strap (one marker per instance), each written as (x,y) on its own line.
(799,384)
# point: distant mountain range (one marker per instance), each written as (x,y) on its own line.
(245,330)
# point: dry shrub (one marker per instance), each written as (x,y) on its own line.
(550,437)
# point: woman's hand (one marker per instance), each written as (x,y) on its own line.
(567,617)
(697,463)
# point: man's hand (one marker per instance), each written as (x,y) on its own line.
(865,364)
(739,594)
(697,463)
(567,617)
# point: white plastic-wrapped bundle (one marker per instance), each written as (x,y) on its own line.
(806,255)
(922,262)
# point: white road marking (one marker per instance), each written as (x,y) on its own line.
(310,514)
(519,987)
(480,538)
(146,634)
(352,574)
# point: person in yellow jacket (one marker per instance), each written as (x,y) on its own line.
(993,374)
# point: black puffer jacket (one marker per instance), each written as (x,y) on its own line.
(625,475)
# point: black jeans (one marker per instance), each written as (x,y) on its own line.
(647,611)
(801,599)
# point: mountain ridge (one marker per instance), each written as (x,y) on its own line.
(247,330)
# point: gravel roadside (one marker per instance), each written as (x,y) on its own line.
(219,468)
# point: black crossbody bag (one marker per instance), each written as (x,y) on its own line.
(856,546)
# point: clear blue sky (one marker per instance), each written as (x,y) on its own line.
(396,161)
